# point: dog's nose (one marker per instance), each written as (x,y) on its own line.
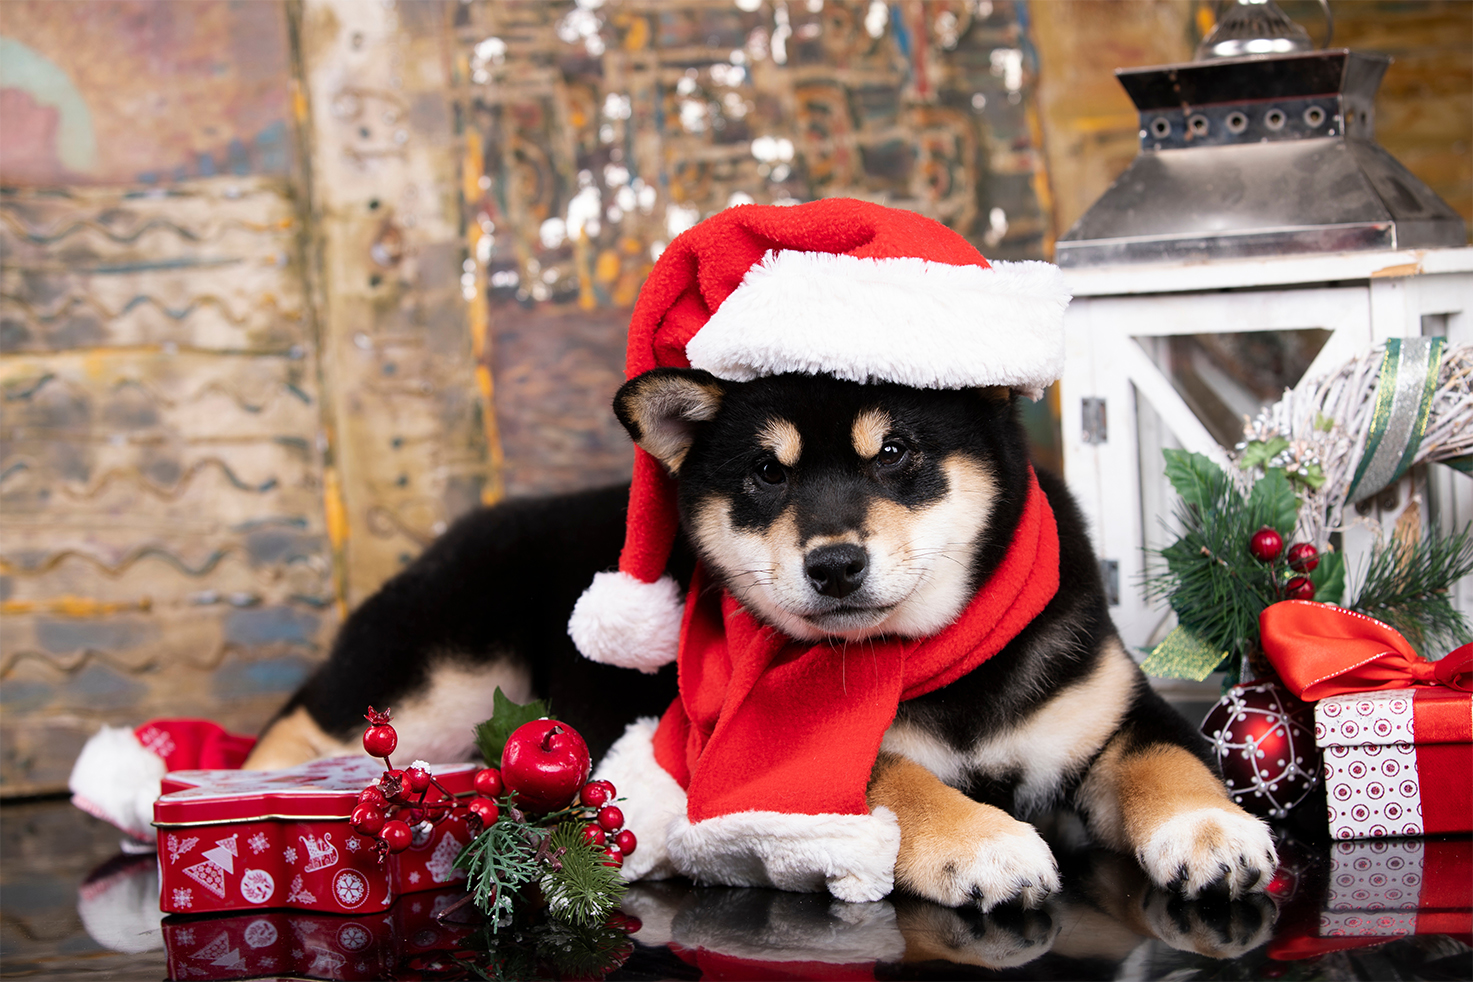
(836,570)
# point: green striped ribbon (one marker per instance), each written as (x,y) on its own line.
(1404,393)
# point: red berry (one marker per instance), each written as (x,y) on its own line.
(615,857)
(611,818)
(367,818)
(1300,588)
(396,835)
(1266,544)
(1303,557)
(596,794)
(544,762)
(594,835)
(393,787)
(371,795)
(484,809)
(417,778)
(487,782)
(380,741)
(626,842)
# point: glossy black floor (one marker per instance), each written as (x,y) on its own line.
(74,908)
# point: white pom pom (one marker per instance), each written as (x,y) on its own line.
(116,778)
(624,621)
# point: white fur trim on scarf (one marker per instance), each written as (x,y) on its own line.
(627,622)
(899,319)
(116,778)
(852,856)
(653,799)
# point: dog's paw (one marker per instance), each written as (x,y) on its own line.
(1215,926)
(1210,849)
(998,860)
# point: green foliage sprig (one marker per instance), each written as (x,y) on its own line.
(1405,584)
(1217,587)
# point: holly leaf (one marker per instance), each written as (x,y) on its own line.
(1329,578)
(506,716)
(1196,478)
(1273,502)
(1259,453)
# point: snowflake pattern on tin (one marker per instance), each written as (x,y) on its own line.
(183,897)
(290,855)
(258,843)
(185,935)
(350,887)
(353,844)
(179,847)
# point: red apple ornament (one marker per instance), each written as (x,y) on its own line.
(544,764)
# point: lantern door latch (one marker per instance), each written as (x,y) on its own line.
(1092,412)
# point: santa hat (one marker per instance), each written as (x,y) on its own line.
(838,286)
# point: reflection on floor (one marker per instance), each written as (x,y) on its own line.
(73,908)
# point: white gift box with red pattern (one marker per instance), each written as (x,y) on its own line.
(242,840)
(1397,887)
(1398,762)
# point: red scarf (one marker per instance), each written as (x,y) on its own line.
(767,723)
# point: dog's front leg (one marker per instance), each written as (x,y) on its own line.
(1158,802)
(954,850)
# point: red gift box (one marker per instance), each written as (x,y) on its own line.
(237,840)
(263,943)
(1398,762)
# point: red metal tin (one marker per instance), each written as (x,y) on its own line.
(275,944)
(237,840)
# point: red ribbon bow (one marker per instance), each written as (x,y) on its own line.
(1321,650)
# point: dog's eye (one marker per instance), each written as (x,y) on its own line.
(891,454)
(771,472)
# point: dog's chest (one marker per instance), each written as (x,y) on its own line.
(1035,758)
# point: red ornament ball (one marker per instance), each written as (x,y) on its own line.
(615,857)
(1264,739)
(1303,557)
(594,835)
(380,741)
(487,782)
(596,794)
(611,818)
(396,835)
(417,778)
(367,818)
(626,842)
(1299,588)
(1266,544)
(486,810)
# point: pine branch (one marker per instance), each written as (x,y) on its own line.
(1405,584)
(578,887)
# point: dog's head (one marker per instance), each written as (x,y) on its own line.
(834,509)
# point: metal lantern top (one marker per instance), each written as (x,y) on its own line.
(1258,155)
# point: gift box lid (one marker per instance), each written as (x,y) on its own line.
(1416,715)
(324,789)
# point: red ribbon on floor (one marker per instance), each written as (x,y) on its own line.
(1321,650)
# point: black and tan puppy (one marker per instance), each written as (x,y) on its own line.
(836,510)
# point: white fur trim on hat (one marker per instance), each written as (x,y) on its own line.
(852,856)
(896,319)
(652,799)
(116,778)
(624,621)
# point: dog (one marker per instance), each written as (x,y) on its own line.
(832,511)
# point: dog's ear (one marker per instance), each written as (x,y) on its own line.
(662,409)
